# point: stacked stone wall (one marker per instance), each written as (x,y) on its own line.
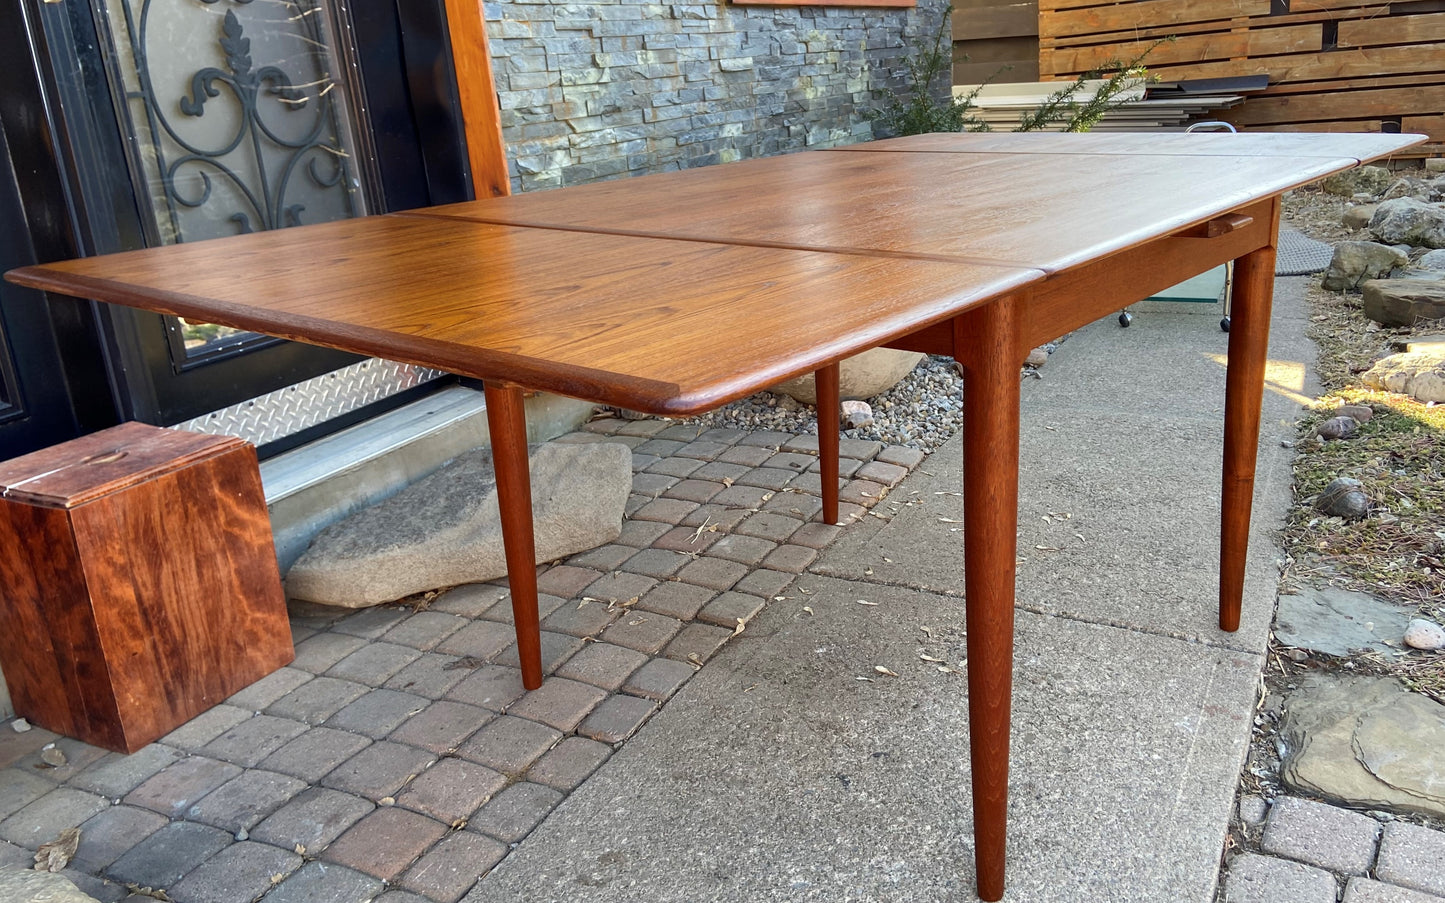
(601,90)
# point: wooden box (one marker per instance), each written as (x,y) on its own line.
(138,582)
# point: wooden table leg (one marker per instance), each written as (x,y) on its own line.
(507,422)
(1243,398)
(825,379)
(988,339)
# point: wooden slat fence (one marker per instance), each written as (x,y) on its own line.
(1333,65)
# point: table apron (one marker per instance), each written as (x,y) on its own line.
(1078,296)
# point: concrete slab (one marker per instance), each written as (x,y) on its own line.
(1125,437)
(777,774)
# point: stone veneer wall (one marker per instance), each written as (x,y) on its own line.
(600,90)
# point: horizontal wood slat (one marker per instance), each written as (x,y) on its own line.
(1333,65)
(998,20)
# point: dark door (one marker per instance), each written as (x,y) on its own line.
(146,122)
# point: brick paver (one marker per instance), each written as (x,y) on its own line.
(764,582)
(675,599)
(556,649)
(252,740)
(602,665)
(386,842)
(658,564)
(451,790)
(238,874)
(15,745)
(379,771)
(372,622)
(569,763)
(1363,890)
(1321,835)
(270,688)
(317,700)
(442,726)
(566,581)
(770,526)
(641,533)
(239,804)
(729,608)
(1262,879)
(617,718)
(1414,857)
(509,745)
(166,856)
(901,455)
(19,789)
(479,639)
(317,653)
(206,727)
(77,753)
(116,775)
(815,535)
(111,833)
(790,559)
(658,679)
(424,630)
(582,618)
(643,631)
(667,511)
(719,518)
(653,485)
(469,601)
(449,869)
(325,882)
(311,755)
(697,642)
(713,573)
(177,787)
(378,713)
(512,814)
(491,687)
(503,614)
(373,663)
(430,676)
(888,475)
(689,540)
(746,550)
(312,819)
(558,703)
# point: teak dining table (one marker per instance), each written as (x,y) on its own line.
(678,292)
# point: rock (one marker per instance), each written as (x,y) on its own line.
(1361,180)
(1401,302)
(1356,261)
(1417,373)
(1338,428)
(1423,634)
(1360,413)
(1431,260)
(857,415)
(445,529)
(1435,164)
(1344,497)
(1358,216)
(1037,358)
(1409,221)
(52,756)
(1365,742)
(1337,622)
(861,376)
(20,725)
(19,885)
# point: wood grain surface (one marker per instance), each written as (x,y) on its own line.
(1046,211)
(653,325)
(1359,147)
(133,612)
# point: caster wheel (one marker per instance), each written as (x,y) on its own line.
(1125,319)
(1224,325)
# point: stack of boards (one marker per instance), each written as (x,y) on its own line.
(1143,107)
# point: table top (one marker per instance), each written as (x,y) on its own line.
(677,292)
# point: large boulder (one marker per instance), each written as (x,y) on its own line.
(1403,302)
(1356,261)
(1417,373)
(1365,742)
(18,885)
(1361,180)
(1408,221)
(446,528)
(1358,216)
(861,376)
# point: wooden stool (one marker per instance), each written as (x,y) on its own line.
(140,582)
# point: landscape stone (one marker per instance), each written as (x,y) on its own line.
(1321,835)
(1408,221)
(445,529)
(1365,742)
(19,885)
(1423,634)
(1402,302)
(1356,261)
(861,376)
(1431,260)
(1261,879)
(1337,622)
(1358,216)
(1417,373)
(1413,856)
(1361,180)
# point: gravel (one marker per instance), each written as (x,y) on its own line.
(923,411)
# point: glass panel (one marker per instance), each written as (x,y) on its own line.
(236,115)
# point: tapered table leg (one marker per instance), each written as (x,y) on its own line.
(507,422)
(987,340)
(825,379)
(1243,398)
